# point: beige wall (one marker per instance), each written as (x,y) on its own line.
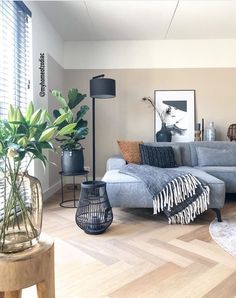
(127,117)
(45,39)
(55,81)
(130,54)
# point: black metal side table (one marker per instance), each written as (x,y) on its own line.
(74,200)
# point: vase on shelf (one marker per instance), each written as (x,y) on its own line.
(20,211)
(210,133)
(164,134)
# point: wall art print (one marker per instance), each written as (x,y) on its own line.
(177,110)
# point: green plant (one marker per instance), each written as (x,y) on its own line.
(22,136)
(65,118)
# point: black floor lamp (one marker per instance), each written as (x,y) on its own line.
(100,88)
(94,213)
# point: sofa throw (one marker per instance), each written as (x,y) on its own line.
(180,195)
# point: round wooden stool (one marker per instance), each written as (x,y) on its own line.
(34,266)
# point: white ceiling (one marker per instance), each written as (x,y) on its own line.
(94,20)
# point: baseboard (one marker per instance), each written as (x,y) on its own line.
(55,187)
(51,190)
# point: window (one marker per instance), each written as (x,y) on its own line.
(15,55)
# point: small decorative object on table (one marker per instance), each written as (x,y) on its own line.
(164,134)
(94,214)
(210,133)
(22,139)
(231,133)
(197,132)
(203,129)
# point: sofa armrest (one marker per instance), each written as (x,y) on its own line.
(115,162)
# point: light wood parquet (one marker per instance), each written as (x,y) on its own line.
(140,255)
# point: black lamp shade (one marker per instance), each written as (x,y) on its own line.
(102,88)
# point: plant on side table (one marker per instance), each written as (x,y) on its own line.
(72,158)
(22,140)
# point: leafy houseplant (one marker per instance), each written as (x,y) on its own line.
(23,139)
(72,151)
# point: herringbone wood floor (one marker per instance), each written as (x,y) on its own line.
(140,255)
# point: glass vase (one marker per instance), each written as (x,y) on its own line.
(20,211)
(210,133)
(164,134)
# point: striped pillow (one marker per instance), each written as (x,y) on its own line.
(162,157)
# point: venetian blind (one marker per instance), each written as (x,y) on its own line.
(15,55)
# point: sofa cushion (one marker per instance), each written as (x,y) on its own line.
(227,174)
(126,191)
(216,157)
(215,145)
(130,151)
(181,149)
(162,157)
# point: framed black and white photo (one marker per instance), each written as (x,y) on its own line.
(176,108)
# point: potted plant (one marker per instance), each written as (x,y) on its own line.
(72,158)
(22,140)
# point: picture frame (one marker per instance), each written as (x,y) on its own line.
(177,110)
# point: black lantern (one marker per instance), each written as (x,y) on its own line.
(94,214)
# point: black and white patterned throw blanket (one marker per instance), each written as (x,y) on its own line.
(180,195)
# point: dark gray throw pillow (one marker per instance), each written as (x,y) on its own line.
(162,157)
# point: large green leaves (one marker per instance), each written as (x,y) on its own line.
(73,128)
(68,129)
(81,133)
(29,133)
(56,113)
(11,113)
(35,117)
(48,134)
(83,110)
(29,112)
(74,98)
(61,118)
(59,97)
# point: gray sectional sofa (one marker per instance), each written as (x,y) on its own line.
(213,162)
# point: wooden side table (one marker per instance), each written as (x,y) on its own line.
(34,266)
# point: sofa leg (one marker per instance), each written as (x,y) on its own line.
(218,214)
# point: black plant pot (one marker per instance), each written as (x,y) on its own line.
(72,161)
(163,135)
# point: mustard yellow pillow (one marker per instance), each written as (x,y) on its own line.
(130,151)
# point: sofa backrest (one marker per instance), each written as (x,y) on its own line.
(188,149)
(184,149)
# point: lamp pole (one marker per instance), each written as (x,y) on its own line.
(94,157)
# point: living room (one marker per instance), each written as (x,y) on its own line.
(145,47)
